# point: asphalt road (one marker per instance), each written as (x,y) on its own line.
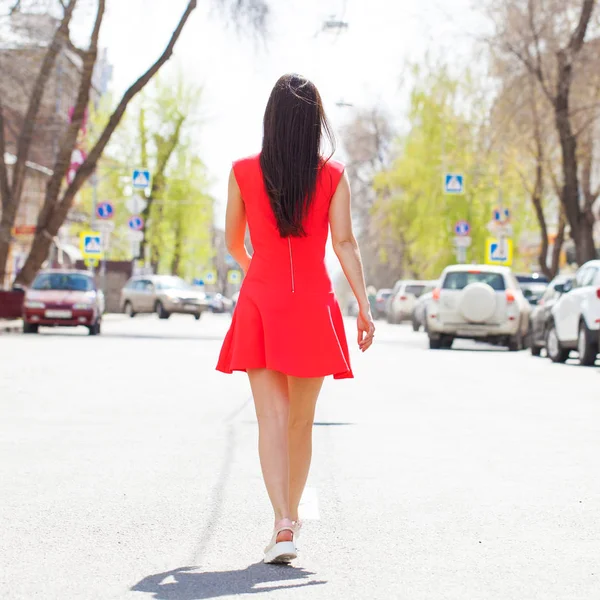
(128,470)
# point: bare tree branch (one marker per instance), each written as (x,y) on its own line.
(90,163)
(536,42)
(4,183)
(54,212)
(26,137)
(78,51)
(576,41)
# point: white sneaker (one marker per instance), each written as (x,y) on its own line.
(281,552)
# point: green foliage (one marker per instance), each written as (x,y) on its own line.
(448,133)
(156,134)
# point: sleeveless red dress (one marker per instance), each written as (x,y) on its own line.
(287,317)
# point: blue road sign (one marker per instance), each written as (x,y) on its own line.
(92,244)
(136,223)
(501,215)
(462,228)
(454,183)
(105,210)
(140,179)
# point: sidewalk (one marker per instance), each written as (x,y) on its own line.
(11,326)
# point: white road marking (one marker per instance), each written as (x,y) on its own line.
(309,505)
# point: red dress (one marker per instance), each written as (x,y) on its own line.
(287,317)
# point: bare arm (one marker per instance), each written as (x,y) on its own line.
(348,253)
(235,224)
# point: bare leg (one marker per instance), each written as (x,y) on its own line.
(270,391)
(303,393)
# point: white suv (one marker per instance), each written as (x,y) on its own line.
(576,317)
(478,302)
(404,297)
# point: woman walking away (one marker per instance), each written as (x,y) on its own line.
(287,330)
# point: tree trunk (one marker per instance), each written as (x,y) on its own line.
(558,244)
(55,212)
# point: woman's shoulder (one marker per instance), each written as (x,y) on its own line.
(247,161)
(247,169)
(335,165)
(332,173)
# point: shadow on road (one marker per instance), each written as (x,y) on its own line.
(183,584)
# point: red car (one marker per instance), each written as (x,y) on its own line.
(63,298)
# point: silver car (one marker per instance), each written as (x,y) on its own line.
(163,295)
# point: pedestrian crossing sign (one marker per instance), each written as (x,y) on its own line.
(140,179)
(91,244)
(454,183)
(499,252)
(234,277)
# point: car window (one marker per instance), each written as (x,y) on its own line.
(172,283)
(458,280)
(74,282)
(415,290)
(143,285)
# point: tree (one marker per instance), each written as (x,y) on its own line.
(547,40)
(522,125)
(59,197)
(448,131)
(368,140)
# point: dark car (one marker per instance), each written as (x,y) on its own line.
(542,313)
(381,300)
(63,298)
(533,286)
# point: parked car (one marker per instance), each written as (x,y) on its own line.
(419,313)
(234,299)
(219,303)
(381,299)
(162,294)
(403,299)
(533,286)
(63,298)
(478,302)
(541,315)
(352,308)
(575,322)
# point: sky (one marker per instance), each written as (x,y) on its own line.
(365,64)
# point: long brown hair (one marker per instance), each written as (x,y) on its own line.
(290,160)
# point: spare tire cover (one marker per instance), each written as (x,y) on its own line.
(477,303)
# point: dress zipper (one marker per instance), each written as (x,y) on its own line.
(291,265)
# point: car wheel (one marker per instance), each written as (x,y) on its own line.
(447,342)
(128,309)
(556,353)
(585,347)
(535,350)
(197,316)
(95,329)
(515,342)
(435,343)
(415,324)
(161,312)
(30,328)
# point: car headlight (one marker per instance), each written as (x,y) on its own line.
(82,305)
(33,304)
(173,298)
